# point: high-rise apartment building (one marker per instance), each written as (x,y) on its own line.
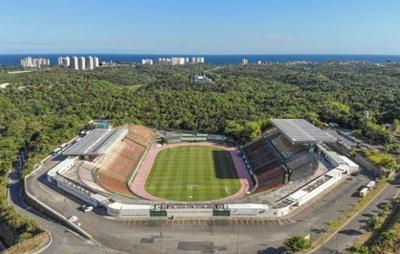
(147,61)
(96,62)
(34,62)
(81,63)
(89,63)
(74,63)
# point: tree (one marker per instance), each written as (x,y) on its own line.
(381,213)
(296,243)
(360,249)
(387,238)
(372,223)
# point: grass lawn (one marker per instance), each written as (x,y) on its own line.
(193,173)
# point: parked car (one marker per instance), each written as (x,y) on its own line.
(86,208)
(72,218)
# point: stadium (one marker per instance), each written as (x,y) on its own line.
(136,171)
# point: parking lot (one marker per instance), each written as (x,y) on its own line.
(123,234)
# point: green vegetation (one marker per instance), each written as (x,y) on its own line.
(334,223)
(28,246)
(358,207)
(193,173)
(373,223)
(358,249)
(296,243)
(44,108)
(386,237)
(381,159)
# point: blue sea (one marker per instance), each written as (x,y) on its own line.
(14,59)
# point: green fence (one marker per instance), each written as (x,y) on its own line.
(221,213)
(158,213)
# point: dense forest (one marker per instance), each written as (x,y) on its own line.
(46,107)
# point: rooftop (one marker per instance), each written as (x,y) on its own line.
(98,141)
(299,131)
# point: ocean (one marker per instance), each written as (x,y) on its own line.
(14,59)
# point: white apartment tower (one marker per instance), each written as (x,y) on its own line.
(96,62)
(66,61)
(74,63)
(34,62)
(81,63)
(147,61)
(89,63)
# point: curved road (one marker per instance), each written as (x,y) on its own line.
(349,233)
(63,239)
(160,235)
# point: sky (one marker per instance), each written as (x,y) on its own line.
(200,26)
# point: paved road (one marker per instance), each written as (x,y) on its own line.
(349,234)
(63,239)
(155,235)
(225,235)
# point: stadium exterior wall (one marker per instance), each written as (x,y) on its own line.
(336,176)
(121,210)
(77,193)
(190,212)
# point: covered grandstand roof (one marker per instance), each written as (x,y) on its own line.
(299,131)
(98,141)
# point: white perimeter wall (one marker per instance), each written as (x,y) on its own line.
(77,193)
(189,212)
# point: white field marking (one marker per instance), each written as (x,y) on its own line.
(227,191)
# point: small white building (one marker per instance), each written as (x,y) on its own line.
(117,209)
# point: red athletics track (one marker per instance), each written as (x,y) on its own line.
(137,185)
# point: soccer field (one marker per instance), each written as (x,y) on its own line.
(193,173)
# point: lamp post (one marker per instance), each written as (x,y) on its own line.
(101,232)
(237,244)
(311,228)
(161,237)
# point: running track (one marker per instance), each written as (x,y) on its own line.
(137,185)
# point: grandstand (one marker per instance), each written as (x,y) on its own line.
(140,134)
(120,164)
(86,175)
(111,156)
(285,155)
(266,165)
(194,137)
(301,165)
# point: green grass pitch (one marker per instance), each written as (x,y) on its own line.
(193,173)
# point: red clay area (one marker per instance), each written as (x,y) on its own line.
(138,184)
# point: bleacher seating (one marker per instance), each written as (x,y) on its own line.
(86,175)
(266,165)
(305,164)
(115,172)
(285,148)
(140,134)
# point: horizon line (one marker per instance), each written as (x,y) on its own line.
(198,54)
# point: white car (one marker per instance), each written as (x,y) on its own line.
(88,209)
(72,218)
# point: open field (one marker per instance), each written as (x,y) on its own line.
(193,173)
